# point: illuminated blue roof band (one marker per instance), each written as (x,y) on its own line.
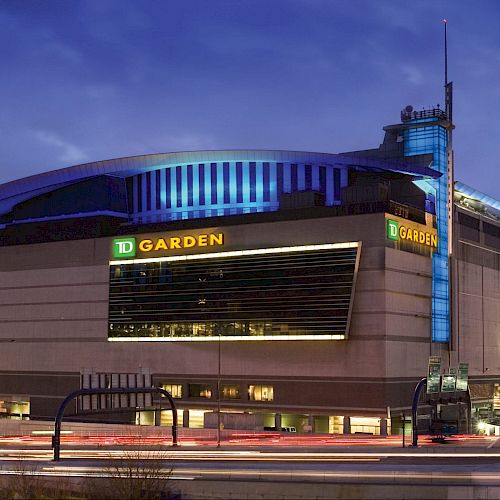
(16,191)
(477,195)
(228,188)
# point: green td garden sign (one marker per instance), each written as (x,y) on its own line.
(123,247)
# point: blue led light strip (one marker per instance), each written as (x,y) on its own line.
(228,188)
(434,140)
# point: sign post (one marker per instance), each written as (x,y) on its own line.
(463,377)
(434,375)
(449,380)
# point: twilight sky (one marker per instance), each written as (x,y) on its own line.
(86,80)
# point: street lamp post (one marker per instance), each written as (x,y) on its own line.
(218,394)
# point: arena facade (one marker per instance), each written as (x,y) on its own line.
(289,289)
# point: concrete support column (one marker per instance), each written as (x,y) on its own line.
(383,427)
(311,423)
(347,425)
(185,418)
(277,421)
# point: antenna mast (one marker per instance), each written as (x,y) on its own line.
(445,21)
(448,99)
(448,86)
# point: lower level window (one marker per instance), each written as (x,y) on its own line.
(18,409)
(175,390)
(200,391)
(260,392)
(230,392)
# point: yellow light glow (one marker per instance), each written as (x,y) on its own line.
(227,339)
(238,253)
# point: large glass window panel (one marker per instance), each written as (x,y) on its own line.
(301,293)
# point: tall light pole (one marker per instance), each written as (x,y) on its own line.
(218,394)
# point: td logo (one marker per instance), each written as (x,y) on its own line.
(123,247)
(392,229)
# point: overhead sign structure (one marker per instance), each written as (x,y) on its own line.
(434,375)
(449,381)
(462,377)
(398,231)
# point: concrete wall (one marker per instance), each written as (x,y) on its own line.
(53,320)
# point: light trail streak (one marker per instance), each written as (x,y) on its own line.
(242,455)
(293,476)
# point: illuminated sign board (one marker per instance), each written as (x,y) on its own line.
(434,375)
(124,248)
(462,377)
(129,247)
(397,231)
(449,380)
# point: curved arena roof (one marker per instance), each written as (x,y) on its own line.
(14,192)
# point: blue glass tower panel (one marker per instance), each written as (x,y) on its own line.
(434,140)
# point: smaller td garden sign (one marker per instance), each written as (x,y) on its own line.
(412,232)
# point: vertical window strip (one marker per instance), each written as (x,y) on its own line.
(259,189)
(253,179)
(144,193)
(308,184)
(139,193)
(213,183)
(173,186)
(273,182)
(266,182)
(220,188)
(301,185)
(201,184)
(178,186)
(135,194)
(130,195)
(148,191)
(168,187)
(315,178)
(322,179)
(344,177)
(329,187)
(190,185)
(239,182)
(232,183)
(225,175)
(196,189)
(208,185)
(279,180)
(294,180)
(158,189)
(336,184)
(184,188)
(246,184)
